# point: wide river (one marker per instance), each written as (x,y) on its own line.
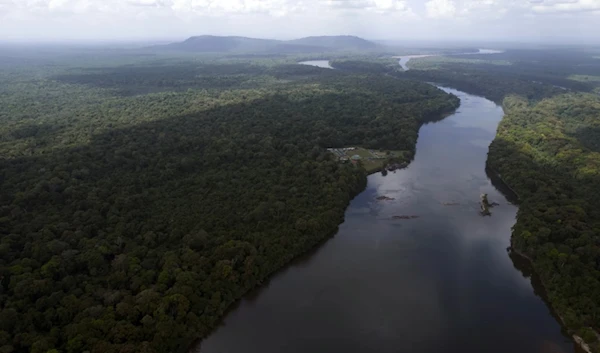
(442,282)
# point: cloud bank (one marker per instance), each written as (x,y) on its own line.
(379,19)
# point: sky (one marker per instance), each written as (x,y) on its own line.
(490,20)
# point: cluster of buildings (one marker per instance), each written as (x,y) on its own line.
(341,153)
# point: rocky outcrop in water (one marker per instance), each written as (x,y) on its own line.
(486,205)
(405,217)
(384,198)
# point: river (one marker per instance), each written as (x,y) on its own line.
(403,60)
(442,282)
(319,63)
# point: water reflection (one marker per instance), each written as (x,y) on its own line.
(441,282)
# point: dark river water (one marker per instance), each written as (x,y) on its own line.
(442,282)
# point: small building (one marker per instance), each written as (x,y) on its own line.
(356,157)
(344,159)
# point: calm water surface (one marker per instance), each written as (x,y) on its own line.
(319,63)
(442,282)
(405,59)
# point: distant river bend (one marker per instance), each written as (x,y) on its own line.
(442,282)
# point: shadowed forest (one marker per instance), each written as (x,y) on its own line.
(142,193)
(139,201)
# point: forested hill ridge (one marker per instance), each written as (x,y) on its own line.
(138,202)
(547,151)
(207,43)
(230,44)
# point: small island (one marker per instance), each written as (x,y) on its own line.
(486,205)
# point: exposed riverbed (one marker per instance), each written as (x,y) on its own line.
(440,281)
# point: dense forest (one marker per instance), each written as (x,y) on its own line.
(367,65)
(490,84)
(548,152)
(138,201)
(534,74)
(141,193)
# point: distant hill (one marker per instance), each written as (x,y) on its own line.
(222,44)
(337,42)
(232,44)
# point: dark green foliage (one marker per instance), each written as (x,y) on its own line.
(547,150)
(156,78)
(534,74)
(485,82)
(373,66)
(546,153)
(551,66)
(131,223)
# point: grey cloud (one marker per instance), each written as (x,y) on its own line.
(376,5)
(349,4)
(440,8)
(552,6)
(295,18)
(150,3)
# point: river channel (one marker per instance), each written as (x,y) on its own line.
(442,282)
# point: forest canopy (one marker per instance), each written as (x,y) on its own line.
(548,152)
(140,200)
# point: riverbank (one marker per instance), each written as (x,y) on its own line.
(344,156)
(516,147)
(579,341)
(546,229)
(493,173)
(433,258)
(194,345)
(388,165)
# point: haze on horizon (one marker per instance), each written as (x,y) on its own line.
(566,21)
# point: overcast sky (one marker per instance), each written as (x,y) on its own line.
(525,20)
